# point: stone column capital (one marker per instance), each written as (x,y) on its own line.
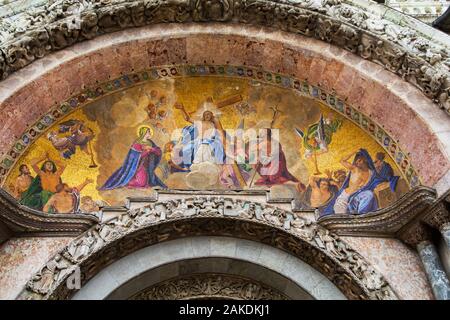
(438,216)
(416,234)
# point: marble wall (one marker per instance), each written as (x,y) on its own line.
(399,264)
(20,258)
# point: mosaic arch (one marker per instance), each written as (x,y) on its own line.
(171,127)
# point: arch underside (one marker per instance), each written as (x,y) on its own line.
(209,267)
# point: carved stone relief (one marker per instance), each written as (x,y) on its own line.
(414,56)
(206,286)
(160,221)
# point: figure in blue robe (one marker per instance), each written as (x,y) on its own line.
(138,169)
(385,170)
(205,146)
(362,200)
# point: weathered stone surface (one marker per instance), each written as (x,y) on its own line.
(398,263)
(21,257)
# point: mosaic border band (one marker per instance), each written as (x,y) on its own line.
(301,87)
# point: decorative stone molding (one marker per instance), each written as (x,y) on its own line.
(408,51)
(424,10)
(23,221)
(438,215)
(161,221)
(206,286)
(421,227)
(415,234)
(386,222)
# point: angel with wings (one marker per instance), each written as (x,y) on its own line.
(74,133)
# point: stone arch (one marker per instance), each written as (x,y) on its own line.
(206,216)
(368,29)
(174,263)
(408,68)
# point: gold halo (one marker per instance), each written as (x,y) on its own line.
(146,127)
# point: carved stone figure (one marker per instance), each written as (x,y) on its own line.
(430,80)
(185,208)
(274,216)
(108,232)
(301,22)
(347,37)
(62,36)
(303,228)
(18,56)
(389,56)
(305,234)
(170,208)
(356,264)
(249,211)
(326,29)
(209,206)
(212,10)
(89,27)
(326,241)
(53,271)
(367,47)
(82,247)
(350,15)
(232,207)
(146,215)
(137,12)
(208,285)
(372,279)
(114,19)
(158,11)
(38,43)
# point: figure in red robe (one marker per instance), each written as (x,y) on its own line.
(271,164)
